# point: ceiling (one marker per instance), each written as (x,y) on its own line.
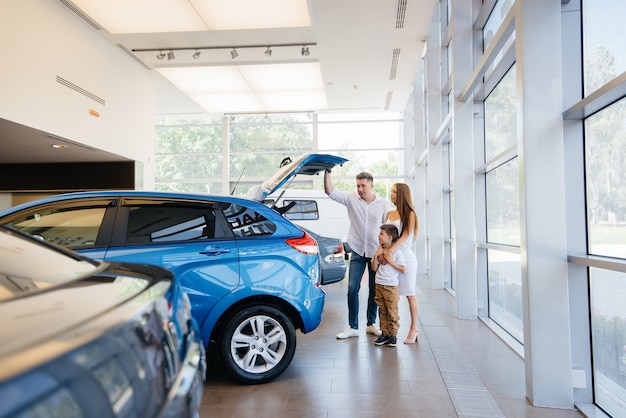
(367,53)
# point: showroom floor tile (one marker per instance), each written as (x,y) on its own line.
(438,377)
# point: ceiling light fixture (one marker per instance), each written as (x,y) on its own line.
(305,51)
(196,55)
(160,55)
(268,52)
(260,87)
(234,54)
(170,55)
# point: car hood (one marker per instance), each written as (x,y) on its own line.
(307,164)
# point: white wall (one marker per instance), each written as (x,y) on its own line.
(41,40)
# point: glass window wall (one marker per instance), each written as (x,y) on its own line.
(608,327)
(505,292)
(503,206)
(196,154)
(503,216)
(605,151)
(501,117)
(604,61)
(604,42)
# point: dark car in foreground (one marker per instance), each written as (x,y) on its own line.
(253,277)
(84,338)
(332,257)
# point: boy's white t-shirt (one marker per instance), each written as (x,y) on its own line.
(386,274)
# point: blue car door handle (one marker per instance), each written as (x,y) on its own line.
(214,251)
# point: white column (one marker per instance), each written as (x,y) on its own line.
(463,204)
(435,182)
(420,178)
(575,194)
(542,203)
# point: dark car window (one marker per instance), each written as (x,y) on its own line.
(167,223)
(303,209)
(245,222)
(68,227)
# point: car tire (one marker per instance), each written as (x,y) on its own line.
(258,344)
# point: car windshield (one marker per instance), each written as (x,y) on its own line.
(28,266)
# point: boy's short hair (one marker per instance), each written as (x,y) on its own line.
(391,230)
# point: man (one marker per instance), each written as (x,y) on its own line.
(366,212)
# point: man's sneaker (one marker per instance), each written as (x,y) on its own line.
(371,329)
(347,333)
(382,340)
(392,342)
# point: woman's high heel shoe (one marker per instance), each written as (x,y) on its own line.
(413,337)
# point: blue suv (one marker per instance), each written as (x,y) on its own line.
(252,276)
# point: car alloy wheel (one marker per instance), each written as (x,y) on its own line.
(258,345)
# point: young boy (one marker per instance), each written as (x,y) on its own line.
(388,267)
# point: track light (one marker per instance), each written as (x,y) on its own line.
(169,52)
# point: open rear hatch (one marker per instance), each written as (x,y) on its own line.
(307,164)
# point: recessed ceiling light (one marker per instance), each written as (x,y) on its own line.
(251,87)
(194,15)
(59,146)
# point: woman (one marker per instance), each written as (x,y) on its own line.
(405,219)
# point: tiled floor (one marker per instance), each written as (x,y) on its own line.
(458,369)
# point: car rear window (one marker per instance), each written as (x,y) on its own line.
(246,222)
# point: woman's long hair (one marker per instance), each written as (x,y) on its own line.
(404,204)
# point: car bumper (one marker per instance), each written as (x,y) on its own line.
(333,273)
(312,315)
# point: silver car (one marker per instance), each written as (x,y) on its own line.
(84,338)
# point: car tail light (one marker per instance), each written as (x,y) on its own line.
(305,244)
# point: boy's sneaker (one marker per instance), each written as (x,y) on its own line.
(347,333)
(371,329)
(382,340)
(392,342)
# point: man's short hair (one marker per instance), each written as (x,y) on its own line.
(363,175)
